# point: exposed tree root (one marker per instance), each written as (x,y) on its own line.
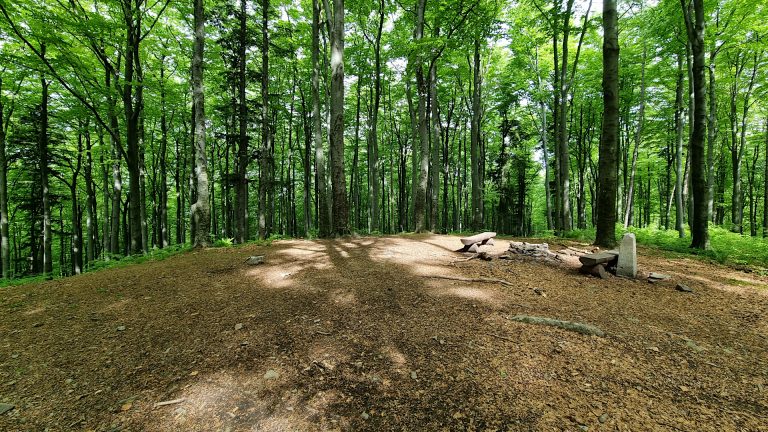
(586,329)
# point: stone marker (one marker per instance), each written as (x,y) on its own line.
(627,265)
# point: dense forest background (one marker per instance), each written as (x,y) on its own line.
(133,125)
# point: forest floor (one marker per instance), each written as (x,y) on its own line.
(353,334)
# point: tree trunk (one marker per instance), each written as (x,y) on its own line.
(373,154)
(420,197)
(324,217)
(266,136)
(163,216)
(562,156)
(695,27)
(477,196)
(77,231)
(5,249)
(737,149)
(201,212)
(340,211)
(679,176)
(765,184)
(629,208)
(354,176)
(132,105)
(241,182)
(43,150)
(607,173)
(91,223)
(436,140)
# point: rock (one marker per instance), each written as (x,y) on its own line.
(603,418)
(414,375)
(540,292)
(683,288)
(271,375)
(255,260)
(655,277)
(489,242)
(596,270)
(4,408)
(238,326)
(627,265)
(120,328)
(365,415)
(594,259)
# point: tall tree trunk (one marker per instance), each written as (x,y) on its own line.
(415,161)
(562,156)
(420,197)
(737,149)
(544,134)
(43,150)
(340,211)
(679,176)
(307,169)
(629,208)
(374,151)
(324,216)
(241,185)
(695,27)
(201,212)
(5,249)
(711,136)
(132,105)
(91,223)
(163,216)
(266,136)
(607,172)
(354,176)
(475,159)
(765,184)
(437,134)
(77,231)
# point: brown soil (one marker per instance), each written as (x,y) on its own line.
(362,340)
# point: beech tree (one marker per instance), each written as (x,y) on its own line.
(327,118)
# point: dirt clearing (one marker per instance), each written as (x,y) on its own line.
(353,335)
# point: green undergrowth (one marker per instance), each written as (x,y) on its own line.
(104,263)
(725,247)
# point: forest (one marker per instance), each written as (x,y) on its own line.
(128,126)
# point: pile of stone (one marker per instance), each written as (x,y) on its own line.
(621,262)
(536,250)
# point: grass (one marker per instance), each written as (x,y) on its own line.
(121,261)
(112,262)
(725,247)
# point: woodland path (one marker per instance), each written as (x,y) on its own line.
(352,336)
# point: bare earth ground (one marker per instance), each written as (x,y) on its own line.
(361,340)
